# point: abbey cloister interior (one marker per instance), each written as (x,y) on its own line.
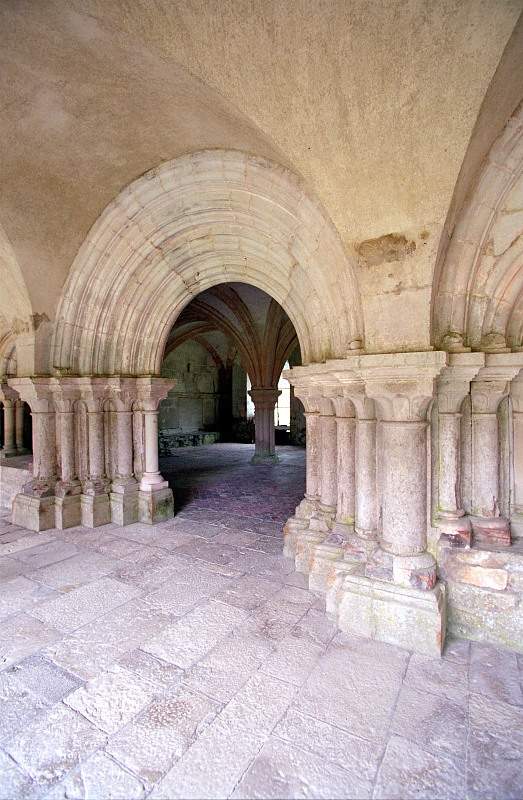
(261,399)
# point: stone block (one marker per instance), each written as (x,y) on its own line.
(68,511)
(96,510)
(410,618)
(322,571)
(483,577)
(34,513)
(155,506)
(124,508)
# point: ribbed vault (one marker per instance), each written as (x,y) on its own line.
(478,301)
(195,222)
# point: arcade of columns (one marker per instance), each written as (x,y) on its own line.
(13,428)
(360,532)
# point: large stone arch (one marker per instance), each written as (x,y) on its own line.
(200,220)
(478,292)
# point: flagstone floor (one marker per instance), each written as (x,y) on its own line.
(188,660)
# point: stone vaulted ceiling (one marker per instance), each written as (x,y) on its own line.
(372,104)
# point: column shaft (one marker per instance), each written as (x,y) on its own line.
(345,469)
(485,465)
(96,445)
(66,423)
(312,454)
(19,425)
(328,460)
(124,444)
(9,427)
(366,488)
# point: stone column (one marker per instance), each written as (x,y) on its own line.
(323,519)
(68,511)
(34,507)
(487,390)
(264,400)
(297,536)
(516,394)
(398,598)
(19,428)
(9,448)
(95,501)
(327,553)
(124,487)
(453,386)
(156,502)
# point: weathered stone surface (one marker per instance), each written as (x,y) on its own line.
(150,744)
(249,592)
(192,585)
(214,764)
(13,782)
(73,572)
(408,772)
(111,699)
(54,744)
(98,778)
(358,757)
(161,673)
(439,676)
(21,635)
(46,553)
(293,659)
(432,719)
(84,604)
(20,594)
(495,673)
(282,771)
(187,640)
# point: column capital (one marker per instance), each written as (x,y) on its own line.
(151,390)
(402,384)
(453,383)
(264,397)
(36,392)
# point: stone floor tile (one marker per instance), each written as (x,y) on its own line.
(111,699)
(495,748)
(21,635)
(297,579)
(116,547)
(271,545)
(228,666)
(271,567)
(358,757)
(98,778)
(24,542)
(203,529)
(439,676)
(213,765)
(235,538)
(42,678)
(21,594)
(160,673)
(82,605)
(82,568)
(457,650)
(431,719)
(354,689)
(148,571)
(10,568)
(293,659)
(281,771)
(271,623)
(317,627)
(208,551)
(248,592)
(94,647)
(151,743)
(195,584)
(495,672)
(190,638)
(54,744)
(18,706)
(293,600)
(13,782)
(408,772)
(47,553)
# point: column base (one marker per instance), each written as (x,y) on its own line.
(96,510)
(491,531)
(68,511)
(291,530)
(124,507)
(306,541)
(155,505)
(323,519)
(9,453)
(270,458)
(34,513)
(324,557)
(455,531)
(409,618)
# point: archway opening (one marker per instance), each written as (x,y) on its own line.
(224,430)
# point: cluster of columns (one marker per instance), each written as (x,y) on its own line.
(360,532)
(13,423)
(95,452)
(264,400)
